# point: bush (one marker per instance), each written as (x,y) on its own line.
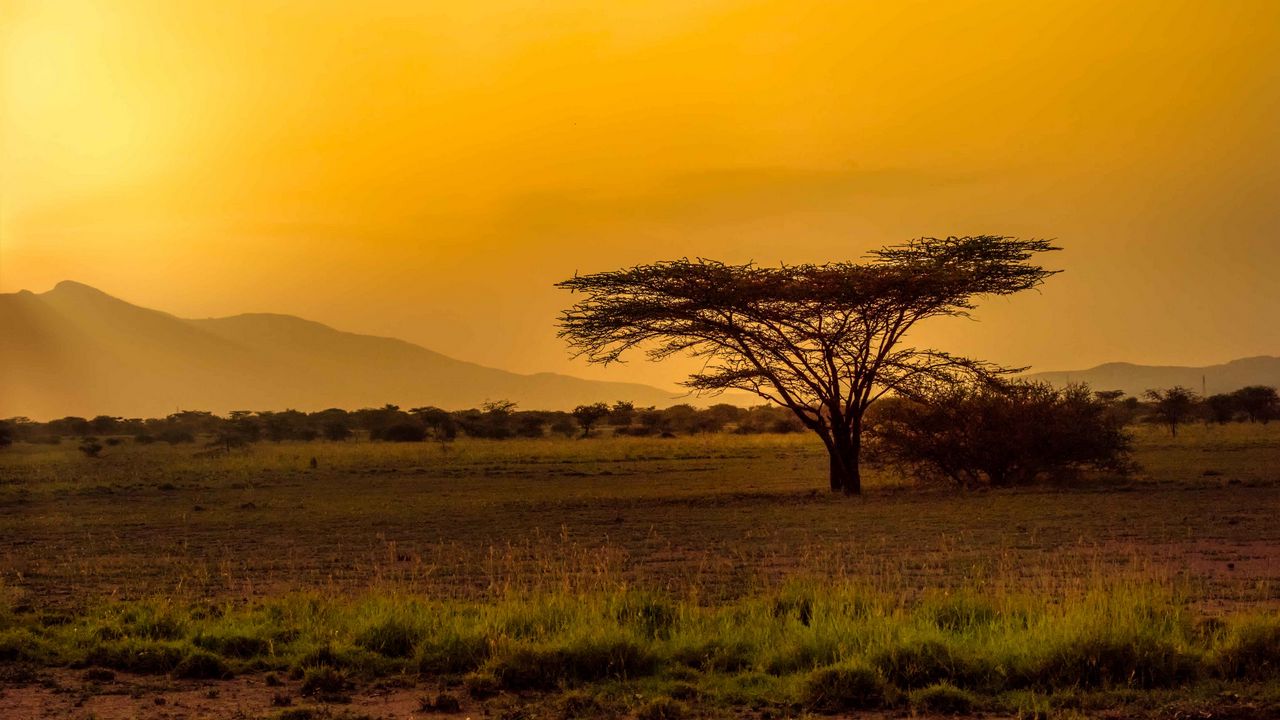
(202,665)
(403,432)
(1011,435)
(1099,662)
(652,616)
(715,656)
(943,698)
(234,645)
(324,680)
(1253,653)
(845,689)
(481,685)
(141,657)
(452,654)
(927,663)
(584,661)
(961,614)
(18,645)
(663,708)
(392,637)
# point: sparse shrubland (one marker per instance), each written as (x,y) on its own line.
(646,577)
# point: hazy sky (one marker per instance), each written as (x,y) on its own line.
(428,169)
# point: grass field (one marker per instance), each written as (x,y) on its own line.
(655,577)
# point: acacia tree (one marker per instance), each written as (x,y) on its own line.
(824,341)
(1172,407)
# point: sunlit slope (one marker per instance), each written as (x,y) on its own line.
(77,351)
(1136,379)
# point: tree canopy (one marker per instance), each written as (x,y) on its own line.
(823,340)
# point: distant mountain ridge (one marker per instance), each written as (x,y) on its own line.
(1137,379)
(76,350)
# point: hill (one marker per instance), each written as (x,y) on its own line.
(1136,379)
(76,350)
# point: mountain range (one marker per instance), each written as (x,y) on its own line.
(1137,379)
(76,350)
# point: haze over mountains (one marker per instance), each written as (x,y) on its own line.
(75,350)
(1137,379)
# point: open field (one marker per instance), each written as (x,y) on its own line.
(710,573)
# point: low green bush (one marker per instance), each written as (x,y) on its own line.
(944,698)
(845,688)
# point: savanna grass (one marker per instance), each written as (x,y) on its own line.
(824,647)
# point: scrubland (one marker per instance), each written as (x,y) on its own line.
(658,578)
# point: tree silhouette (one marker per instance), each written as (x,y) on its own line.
(1172,407)
(1260,402)
(588,415)
(824,341)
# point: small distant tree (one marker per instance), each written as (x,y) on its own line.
(1172,407)
(824,341)
(1220,408)
(6,434)
(1259,402)
(440,423)
(622,413)
(589,415)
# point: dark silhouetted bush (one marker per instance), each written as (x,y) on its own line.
(1010,435)
(403,432)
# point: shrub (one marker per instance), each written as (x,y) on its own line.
(18,645)
(392,637)
(1092,662)
(234,645)
(715,656)
(452,654)
(324,680)
(920,664)
(202,665)
(845,689)
(135,656)
(532,668)
(961,614)
(403,432)
(663,708)
(943,698)
(802,654)
(575,705)
(481,685)
(652,616)
(1005,436)
(1252,653)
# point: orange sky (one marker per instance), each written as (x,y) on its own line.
(428,170)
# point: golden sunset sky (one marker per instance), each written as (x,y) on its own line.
(427,170)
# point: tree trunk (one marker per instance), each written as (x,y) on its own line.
(846,476)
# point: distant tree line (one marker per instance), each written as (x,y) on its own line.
(997,434)
(496,420)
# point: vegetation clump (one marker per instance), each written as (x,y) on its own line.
(1001,435)
(845,688)
(1252,653)
(944,698)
